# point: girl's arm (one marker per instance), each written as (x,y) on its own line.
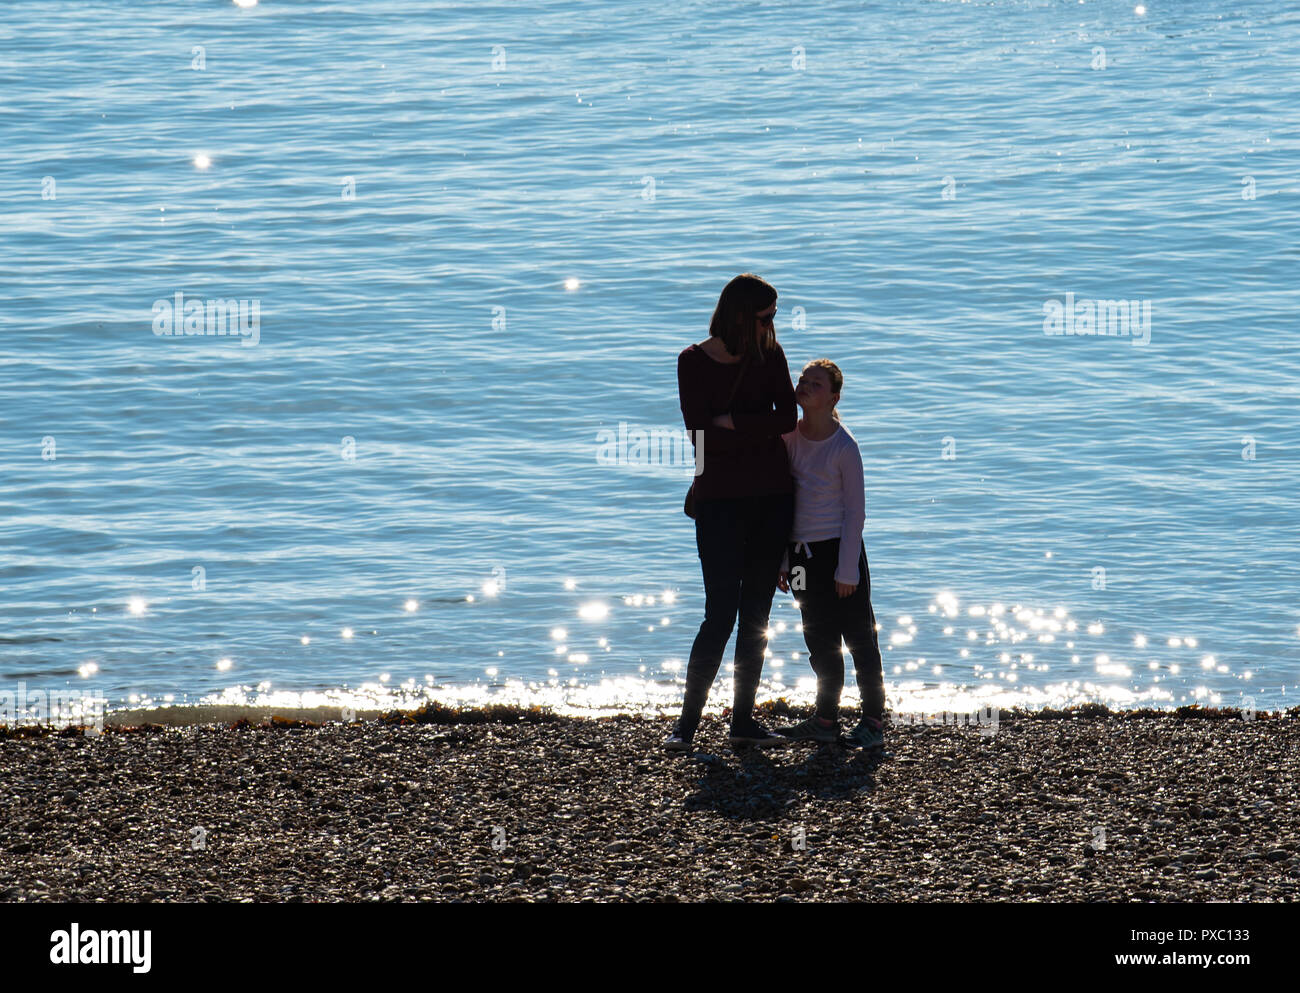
(772,422)
(853,486)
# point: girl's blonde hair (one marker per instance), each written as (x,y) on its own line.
(833,374)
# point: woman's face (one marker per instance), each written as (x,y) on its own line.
(763,321)
(813,392)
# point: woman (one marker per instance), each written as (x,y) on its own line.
(744,495)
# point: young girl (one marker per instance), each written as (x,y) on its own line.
(826,561)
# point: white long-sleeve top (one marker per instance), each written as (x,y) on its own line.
(830,496)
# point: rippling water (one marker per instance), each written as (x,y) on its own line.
(477,237)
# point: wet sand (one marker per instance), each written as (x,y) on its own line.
(511,805)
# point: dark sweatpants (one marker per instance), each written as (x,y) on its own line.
(740,541)
(828,618)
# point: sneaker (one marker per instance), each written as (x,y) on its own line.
(812,730)
(676,740)
(751,733)
(869,734)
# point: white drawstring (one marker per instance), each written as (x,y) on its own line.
(806,550)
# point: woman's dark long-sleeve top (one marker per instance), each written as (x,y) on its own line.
(752,459)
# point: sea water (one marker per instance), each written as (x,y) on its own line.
(321,324)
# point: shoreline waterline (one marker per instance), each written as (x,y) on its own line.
(985,720)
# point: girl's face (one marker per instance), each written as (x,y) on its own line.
(813,393)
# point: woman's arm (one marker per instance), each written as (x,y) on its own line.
(777,387)
(693,393)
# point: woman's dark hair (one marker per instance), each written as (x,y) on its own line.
(733,317)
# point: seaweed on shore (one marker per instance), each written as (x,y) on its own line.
(291,723)
(25,731)
(18,731)
(437,713)
(779,709)
(1085,711)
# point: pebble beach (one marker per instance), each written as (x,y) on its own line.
(520,805)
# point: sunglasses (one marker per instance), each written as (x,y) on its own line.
(766,319)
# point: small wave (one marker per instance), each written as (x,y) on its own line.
(39,673)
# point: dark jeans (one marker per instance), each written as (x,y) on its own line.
(828,618)
(740,542)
